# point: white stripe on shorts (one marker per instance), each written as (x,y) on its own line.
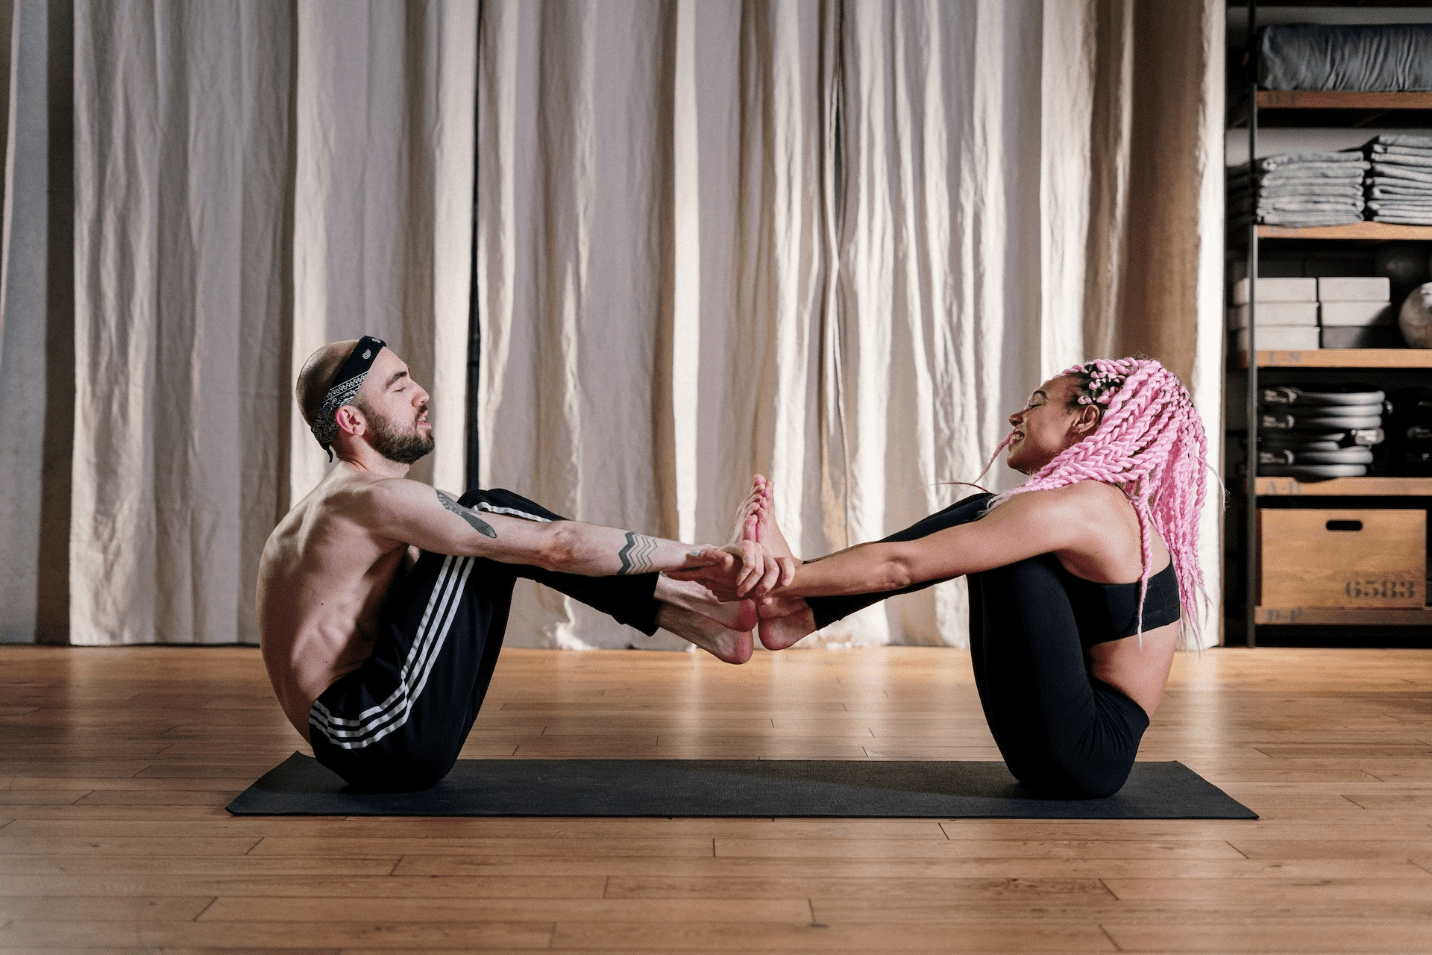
(378,721)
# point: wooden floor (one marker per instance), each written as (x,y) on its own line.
(117,764)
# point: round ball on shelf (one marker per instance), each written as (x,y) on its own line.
(1415,319)
(1401,262)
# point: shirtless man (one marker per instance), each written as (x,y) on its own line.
(382,601)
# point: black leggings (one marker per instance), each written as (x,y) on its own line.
(1063,733)
(397,723)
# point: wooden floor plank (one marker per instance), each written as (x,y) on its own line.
(404,908)
(752,869)
(116,763)
(809,936)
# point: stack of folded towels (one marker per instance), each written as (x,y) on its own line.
(1399,183)
(1299,189)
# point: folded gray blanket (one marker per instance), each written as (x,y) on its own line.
(1296,220)
(1404,140)
(1322,188)
(1405,205)
(1316,157)
(1314,56)
(1293,175)
(1408,190)
(1397,218)
(1418,160)
(1308,218)
(1350,201)
(1385,171)
(1310,205)
(1309,187)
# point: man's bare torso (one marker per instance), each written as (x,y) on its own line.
(322,581)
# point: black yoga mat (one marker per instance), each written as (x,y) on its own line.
(729,787)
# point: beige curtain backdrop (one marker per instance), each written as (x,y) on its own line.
(833,242)
(251,179)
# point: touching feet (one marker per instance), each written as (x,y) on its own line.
(724,629)
(784,621)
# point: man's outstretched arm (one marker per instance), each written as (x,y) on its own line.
(417,514)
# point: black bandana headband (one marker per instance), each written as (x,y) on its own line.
(346,382)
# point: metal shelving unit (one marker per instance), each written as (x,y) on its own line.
(1329,109)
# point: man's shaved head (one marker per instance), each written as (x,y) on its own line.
(317,375)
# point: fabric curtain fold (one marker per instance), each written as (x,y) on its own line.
(832,242)
(883,225)
(251,180)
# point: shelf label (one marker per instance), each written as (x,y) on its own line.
(1399,587)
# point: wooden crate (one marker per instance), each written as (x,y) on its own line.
(1343,558)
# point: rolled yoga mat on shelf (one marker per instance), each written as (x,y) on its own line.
(735,788)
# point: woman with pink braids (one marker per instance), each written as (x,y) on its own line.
(1080,580)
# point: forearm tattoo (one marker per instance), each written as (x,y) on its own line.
(477,523)
(636,554)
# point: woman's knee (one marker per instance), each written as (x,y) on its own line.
(1073,778)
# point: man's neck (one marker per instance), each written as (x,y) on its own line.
(364,458)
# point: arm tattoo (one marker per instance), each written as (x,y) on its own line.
(636,554)
(477,523)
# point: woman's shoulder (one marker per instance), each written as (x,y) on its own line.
(1084,494)
(1094,505)
(1103,532)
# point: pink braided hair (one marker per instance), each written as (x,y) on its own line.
(1150,443)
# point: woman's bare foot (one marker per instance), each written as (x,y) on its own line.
(747,511)
(723,643)
(746,528)
(762,506)
(784,621)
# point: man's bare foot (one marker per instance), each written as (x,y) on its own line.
(688,594)
(726,645)
(784,621)
(692,596)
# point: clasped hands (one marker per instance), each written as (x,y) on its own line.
(745,570)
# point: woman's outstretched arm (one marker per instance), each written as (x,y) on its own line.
(1039,522)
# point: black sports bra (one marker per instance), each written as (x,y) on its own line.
(1106,612)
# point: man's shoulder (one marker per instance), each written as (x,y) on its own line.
(343,496)
(346,490)
(387,508)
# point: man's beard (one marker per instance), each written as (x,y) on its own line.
(398,448)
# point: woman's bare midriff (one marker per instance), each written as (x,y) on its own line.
(1138,670)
